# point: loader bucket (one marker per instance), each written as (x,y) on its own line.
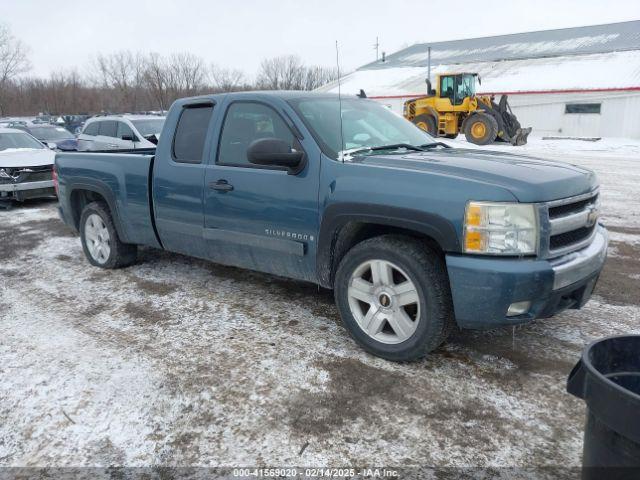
(512,132)
(520,138)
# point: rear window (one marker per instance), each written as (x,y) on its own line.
(91,129)
(109,128)
(191,132)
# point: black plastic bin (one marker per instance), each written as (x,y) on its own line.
(607,378)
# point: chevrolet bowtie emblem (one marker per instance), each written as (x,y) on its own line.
(592,217)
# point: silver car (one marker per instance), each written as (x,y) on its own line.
(120,132)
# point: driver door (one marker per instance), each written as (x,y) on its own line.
(260,217)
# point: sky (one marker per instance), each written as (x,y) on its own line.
(238,34)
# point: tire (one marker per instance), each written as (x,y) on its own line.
(100,241)
(481,129)
(431,316)
(426,123)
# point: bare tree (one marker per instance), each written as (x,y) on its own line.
(123,72)
(188,73)
(13,60)
(227,80)
(289,73)
(317,76)
(128,81)
(156,78)
(281,73)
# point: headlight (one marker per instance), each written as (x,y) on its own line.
(500,228)
(4,176)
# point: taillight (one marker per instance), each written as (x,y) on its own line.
(54,177)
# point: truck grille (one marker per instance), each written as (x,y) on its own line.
(570,238)
(572,223)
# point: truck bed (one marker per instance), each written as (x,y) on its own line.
(122,178)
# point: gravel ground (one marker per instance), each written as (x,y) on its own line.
(176,361)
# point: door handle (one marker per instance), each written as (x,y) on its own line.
(221,186)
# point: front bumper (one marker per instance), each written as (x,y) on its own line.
(23,190)
(483,288)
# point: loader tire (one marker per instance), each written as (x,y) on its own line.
(481,129)
(426,123)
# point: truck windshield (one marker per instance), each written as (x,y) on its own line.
(365,123)
(18,140)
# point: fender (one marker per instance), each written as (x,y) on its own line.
(106,193)
(338,215)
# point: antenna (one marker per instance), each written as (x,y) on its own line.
(342,145)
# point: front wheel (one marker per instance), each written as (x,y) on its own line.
(100,240)
(427,123)
(481,129)
(394,298)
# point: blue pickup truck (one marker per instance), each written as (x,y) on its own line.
(414,237)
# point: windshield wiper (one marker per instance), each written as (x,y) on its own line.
(347,154)
(434,145)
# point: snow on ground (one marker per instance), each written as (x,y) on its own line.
(177,361)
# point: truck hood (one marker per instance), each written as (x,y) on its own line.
(26,157)
(529,179)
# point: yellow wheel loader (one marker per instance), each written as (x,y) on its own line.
(453,107)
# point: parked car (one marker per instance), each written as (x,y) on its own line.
(414,237)
(74,122)
(56,138)
(120,132)
(26,167)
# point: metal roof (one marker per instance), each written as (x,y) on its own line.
(617,71)
(547,43)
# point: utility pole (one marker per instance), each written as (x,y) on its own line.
(376,46)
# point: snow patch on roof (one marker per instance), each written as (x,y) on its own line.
(523,49)
(618,70)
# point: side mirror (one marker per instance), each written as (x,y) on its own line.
(275,152)
(130,138)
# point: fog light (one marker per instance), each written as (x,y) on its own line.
(518,308)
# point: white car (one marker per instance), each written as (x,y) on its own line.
(26,166)
(120,132)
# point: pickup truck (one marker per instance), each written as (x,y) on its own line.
(413,236)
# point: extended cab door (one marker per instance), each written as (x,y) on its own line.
(259,217)
(178,179)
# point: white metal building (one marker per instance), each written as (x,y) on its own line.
(572,82)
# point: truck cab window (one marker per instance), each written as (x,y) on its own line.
(244,123)
(191,133)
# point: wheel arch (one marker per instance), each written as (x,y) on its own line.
(344,226)
(82,194)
